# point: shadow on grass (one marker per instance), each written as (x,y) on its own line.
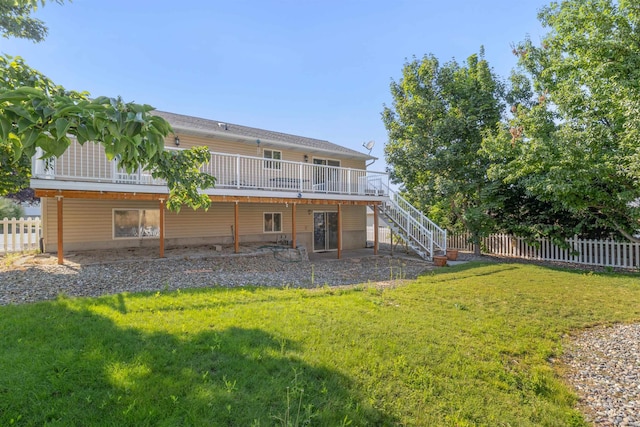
(472,267)
(513,264)
(63,364)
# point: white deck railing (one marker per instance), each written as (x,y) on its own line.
(87,163)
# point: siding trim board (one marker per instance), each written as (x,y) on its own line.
(111,195)
(50,188)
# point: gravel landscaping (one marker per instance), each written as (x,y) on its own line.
(37,278)
(603,366)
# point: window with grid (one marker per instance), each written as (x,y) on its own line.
(272,222)
(275,157)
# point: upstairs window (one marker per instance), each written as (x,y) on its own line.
(274,157)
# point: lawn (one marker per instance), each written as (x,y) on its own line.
(468,345)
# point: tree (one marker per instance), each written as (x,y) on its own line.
(36,113)
(14,171)
(15,20)
(9,209)
(576,144)
(436,126)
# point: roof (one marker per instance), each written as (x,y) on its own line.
(216,128)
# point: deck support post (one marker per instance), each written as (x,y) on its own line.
(375,230)
(236,232)
(339,231)
(60,231)
(293,225)
(161,228)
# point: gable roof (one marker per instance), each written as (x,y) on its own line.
(214,128)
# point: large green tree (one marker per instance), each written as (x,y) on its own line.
(37,113)
(436,125)
(576,144)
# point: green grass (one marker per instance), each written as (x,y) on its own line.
(470,345)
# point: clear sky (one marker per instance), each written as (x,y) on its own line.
(316,68)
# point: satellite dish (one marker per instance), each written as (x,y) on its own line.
(369,145)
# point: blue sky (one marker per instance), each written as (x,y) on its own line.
(320,69)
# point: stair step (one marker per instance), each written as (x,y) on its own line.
(391,210)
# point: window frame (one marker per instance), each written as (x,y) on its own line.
(272,162)
(273,222)
(155,231)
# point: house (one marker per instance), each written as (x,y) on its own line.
(271,187)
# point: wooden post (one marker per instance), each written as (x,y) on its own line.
(161,228)
(60,232)
(236,232)
(339,231)
(375,230)
(293,225)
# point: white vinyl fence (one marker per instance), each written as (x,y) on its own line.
(17,235)
(604,253)
(384,234)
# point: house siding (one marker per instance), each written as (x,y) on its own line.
(88,224)
(257,150)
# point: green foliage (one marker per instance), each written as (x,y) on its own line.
(15,19)
(14,174)
(467,346)
(181,169)
(436,127)
(9,209)
(575,143)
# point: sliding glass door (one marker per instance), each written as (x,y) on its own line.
(325,231)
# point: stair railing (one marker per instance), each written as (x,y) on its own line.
(417,237)
(439,234)
(418,227)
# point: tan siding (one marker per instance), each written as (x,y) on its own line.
(47,215)
(255,150)
(88,224)
(252,217)
(353,218)
(85,221)
(216,145)
(217,221)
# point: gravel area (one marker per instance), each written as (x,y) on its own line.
(603,365)
(37,278)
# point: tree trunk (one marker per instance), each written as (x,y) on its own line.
(475,239)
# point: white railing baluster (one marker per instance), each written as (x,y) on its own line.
(88,163)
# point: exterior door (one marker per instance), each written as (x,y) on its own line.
(325,231)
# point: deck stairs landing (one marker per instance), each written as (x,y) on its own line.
(421,234)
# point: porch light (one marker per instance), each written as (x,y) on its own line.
(306,158)
(176,140)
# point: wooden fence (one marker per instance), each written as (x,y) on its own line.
(604,253)
(17,235)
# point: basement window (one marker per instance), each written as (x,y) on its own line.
(272,222)
(136,223)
